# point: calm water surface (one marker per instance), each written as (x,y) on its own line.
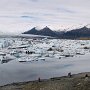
(15,71)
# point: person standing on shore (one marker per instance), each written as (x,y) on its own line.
(69,74)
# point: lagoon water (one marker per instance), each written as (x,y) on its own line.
(15,71)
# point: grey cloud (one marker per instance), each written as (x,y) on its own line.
(8,17)
(39,12)
(65,10)
(27,17)
(34,0)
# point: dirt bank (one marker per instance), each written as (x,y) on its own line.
(79,81)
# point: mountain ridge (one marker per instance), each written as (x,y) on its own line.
(72,34)
(46,31)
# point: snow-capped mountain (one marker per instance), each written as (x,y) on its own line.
(81,31)
(45,31)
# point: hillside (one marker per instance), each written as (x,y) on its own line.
(45,31)
(83,32)
(77,33)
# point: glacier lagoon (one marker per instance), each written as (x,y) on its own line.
(60,57)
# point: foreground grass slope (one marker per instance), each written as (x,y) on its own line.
(76,82)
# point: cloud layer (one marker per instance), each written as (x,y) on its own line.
(20,15)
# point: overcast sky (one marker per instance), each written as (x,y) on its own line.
(20,15)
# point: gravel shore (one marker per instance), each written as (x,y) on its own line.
(79,81)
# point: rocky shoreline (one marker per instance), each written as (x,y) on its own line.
(79,81)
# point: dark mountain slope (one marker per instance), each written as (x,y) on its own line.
(73,34)
(32,31)
(77,33)
(45,31)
